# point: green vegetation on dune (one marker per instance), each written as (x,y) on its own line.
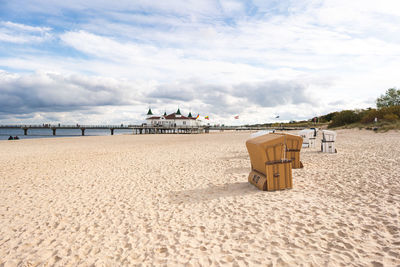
(381,126)
(302,124)
(385,117)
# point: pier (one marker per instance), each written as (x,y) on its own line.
(145,129)
(136,129)
(54,128)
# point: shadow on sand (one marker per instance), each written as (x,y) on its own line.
(310,151)
(212,192)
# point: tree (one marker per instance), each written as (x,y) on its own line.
(390,98)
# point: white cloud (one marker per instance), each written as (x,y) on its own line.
(21,33)
(23,27)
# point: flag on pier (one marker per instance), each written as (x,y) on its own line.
(237,117)
(207,118)
(198,115)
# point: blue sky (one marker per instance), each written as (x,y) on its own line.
(108,61)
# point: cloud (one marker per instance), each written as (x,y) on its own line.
(225,99)
(161,63)
(21,33)
(173,92)
(23,27)
(48,92)
(273,93)
(62,97)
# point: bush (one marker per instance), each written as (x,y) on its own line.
(327,117)
(345,117)
(392,109)
(380,114)
(371,115)
(390,117)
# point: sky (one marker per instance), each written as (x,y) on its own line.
(107,62)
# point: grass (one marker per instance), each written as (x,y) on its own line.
(390,126)
(381,126)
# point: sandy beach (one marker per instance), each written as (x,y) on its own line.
(185,200)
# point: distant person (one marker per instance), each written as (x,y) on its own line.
(16,138)
(10,138)
(315,131)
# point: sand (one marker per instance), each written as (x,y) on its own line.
(185,200)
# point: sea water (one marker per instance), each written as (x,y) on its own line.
(48,133)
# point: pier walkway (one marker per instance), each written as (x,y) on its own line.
(144,129)
(136,129)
